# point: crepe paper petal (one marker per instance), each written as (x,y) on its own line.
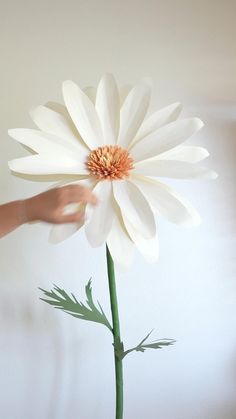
(167,201)
(90,91)
(46,165)
(135,207)
(61,232)
(63,177)
(45,143)
(148,248)
(190,154)
(72,208)
(100,221)
(88,182)
(55,123)
(119,243)
(133,112)
(165,138)
(173,169)
(108,108)
(61,109)
(123,92)
(83,114)
(158,119)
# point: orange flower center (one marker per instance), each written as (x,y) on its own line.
(109,162)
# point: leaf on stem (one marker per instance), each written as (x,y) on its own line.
(141,347)
(58,298)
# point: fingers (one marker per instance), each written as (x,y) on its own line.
(76,193)
(49,206)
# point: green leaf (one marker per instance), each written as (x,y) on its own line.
(58,298)
(141,347)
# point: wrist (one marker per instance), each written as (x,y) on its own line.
(30,214)
(21,212)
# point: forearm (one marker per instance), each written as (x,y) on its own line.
(12,215)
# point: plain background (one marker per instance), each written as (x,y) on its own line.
(51,365)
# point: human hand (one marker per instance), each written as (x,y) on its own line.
(49,206)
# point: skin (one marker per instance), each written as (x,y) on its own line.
(47,206)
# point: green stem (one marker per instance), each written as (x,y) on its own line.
(116,334)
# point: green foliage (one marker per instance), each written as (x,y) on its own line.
(141,347)
(58,298)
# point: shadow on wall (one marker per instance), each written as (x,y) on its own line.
(226,156)
(229,412)
(224,161)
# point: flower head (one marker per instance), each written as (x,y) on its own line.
(109,162)
(102,139)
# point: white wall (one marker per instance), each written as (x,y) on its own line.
(53,366)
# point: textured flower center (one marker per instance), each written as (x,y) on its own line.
(110,162)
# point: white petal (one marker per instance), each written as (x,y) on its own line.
(119,243)
(165,138)
(108,108)
(45,143)
(46,165)
(90,91)
(123,92)
(148,248)
(173,169)
(100,220)
(134,207)
(59,108)
(190,154)
(61,232)
(167,201)
(133,113)
(158,119)
(83,114)
(62,110)
(55,123)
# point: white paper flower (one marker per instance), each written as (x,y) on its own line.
(102,139)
